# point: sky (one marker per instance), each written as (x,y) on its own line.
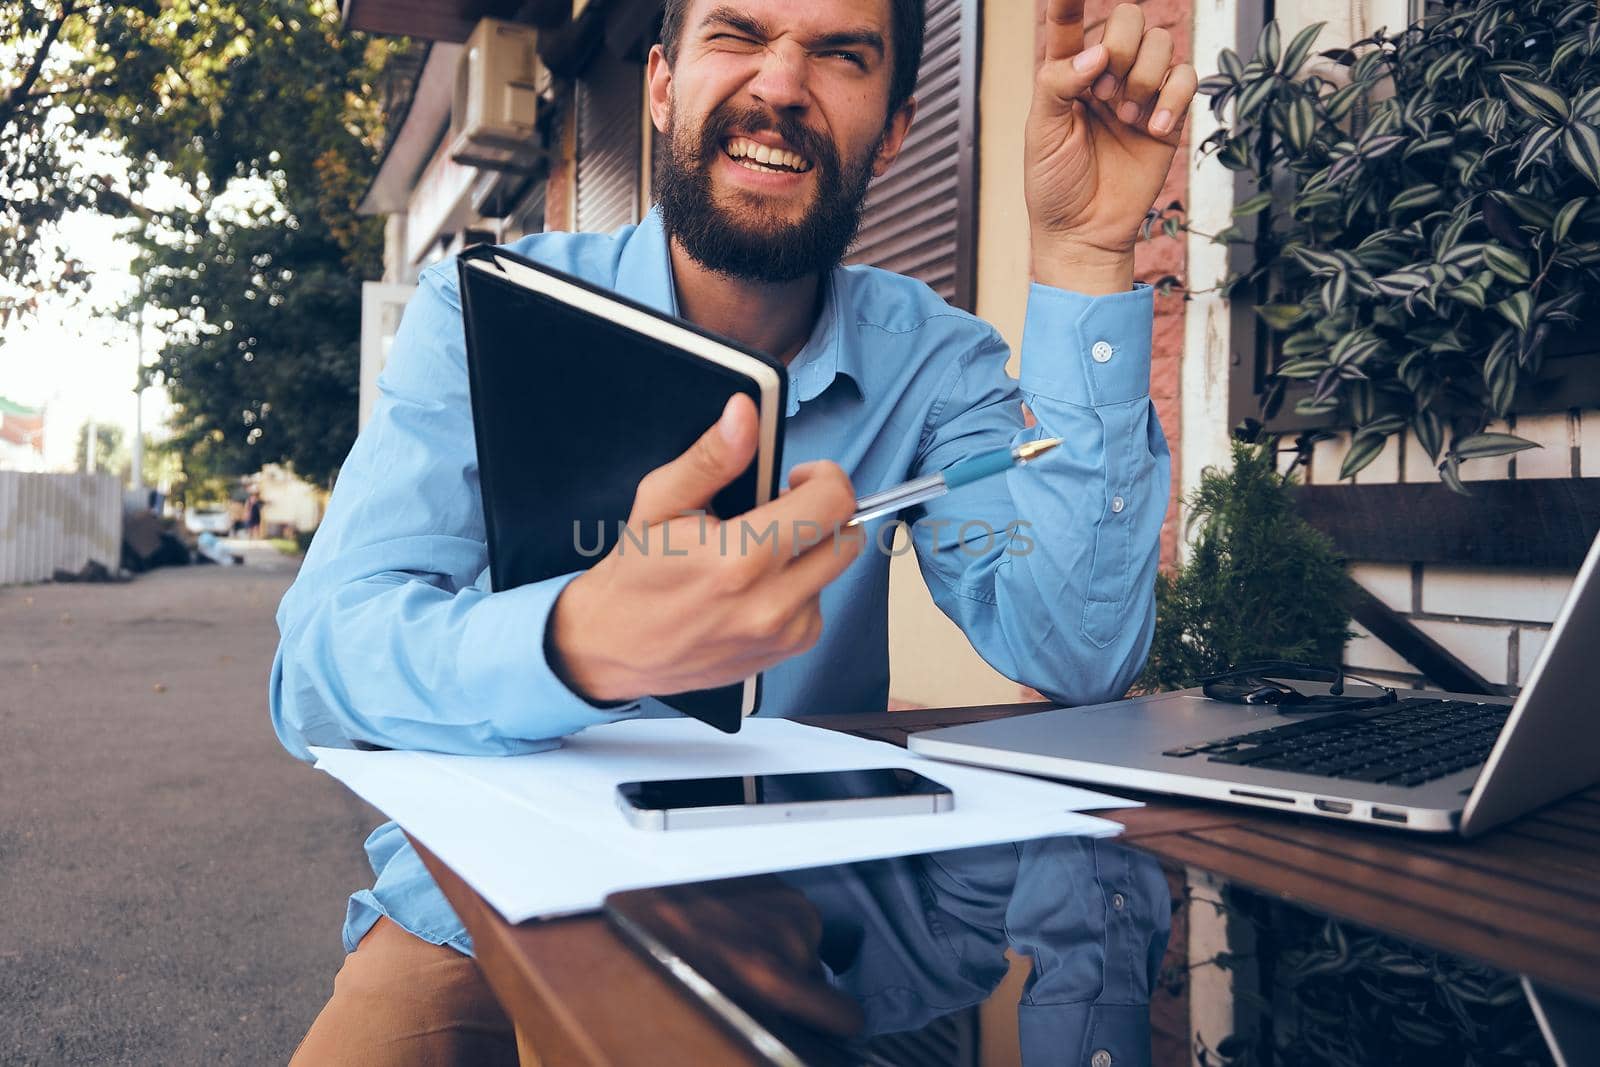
(77,356)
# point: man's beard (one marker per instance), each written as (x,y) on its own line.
(771,249)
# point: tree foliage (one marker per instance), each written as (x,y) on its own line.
(215,95)
(1426,231)
(1259,584)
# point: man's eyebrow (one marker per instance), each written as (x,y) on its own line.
(734,19)
(862,38)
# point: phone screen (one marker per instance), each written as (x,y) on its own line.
(756,789)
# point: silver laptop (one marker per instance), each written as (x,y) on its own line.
(1431,762)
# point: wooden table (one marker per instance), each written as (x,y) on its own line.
(1524,899)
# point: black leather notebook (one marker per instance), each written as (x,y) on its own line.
(577,394)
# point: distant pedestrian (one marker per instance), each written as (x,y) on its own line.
(253,519)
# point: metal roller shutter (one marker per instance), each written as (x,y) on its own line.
(609,106)
(921,216)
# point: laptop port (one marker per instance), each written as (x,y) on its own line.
(1338,807)
(1262,796)
(1388,814)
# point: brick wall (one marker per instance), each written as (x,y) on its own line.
(1495,619)
(1159,258)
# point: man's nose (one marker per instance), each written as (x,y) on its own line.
(781,82)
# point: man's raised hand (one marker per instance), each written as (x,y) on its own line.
(1105,121)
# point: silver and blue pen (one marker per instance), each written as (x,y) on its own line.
(971,469)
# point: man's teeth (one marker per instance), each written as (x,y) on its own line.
(747,152)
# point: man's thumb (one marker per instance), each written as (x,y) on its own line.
(1065,80)
(690,481)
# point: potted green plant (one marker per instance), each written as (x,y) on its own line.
(1259,583)
(1427,226)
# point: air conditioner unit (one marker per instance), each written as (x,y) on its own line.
(500,85)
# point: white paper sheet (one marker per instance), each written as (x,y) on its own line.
(542,835)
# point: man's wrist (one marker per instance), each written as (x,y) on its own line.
(1081,267)
(563,653)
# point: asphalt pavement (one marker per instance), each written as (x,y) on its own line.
(172,882)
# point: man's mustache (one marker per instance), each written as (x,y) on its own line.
(812,145)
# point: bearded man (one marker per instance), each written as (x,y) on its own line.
(776,116)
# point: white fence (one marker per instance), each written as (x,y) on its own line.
(51,522)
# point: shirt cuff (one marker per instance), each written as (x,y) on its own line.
(1088,350)
(503,645)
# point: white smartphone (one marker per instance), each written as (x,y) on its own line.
(691,803)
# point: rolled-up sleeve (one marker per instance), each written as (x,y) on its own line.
(1050,569)
(391,636)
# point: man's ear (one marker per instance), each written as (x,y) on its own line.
(658,77)
(894,135)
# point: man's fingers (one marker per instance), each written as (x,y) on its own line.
(690,481)
(1065,80)
(1166,118)
(1144,79)
(820,499)
(825,561)
(1063,28)
(1124,31)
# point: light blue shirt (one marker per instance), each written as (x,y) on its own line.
(391,637)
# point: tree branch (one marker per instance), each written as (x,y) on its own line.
(19,92)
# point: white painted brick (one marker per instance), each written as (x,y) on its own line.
(1495,593)
(1529,644)
(1486,649)
(1365,652)
(1497,469)
(1589,443)
(1327,458)
(1389,582)
(1385,470)
(1418,467)
(1557,434)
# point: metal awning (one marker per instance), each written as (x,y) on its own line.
(446,20)
(420,129)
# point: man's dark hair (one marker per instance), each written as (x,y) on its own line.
(906,18)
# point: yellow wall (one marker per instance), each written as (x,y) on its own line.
(930,661)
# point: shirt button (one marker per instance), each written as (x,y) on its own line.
(1117,504)
(1101,1058)
(1102,354)
(1118,901)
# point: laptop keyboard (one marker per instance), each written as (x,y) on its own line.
(1406,743)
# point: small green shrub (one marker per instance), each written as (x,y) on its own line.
(1259,583)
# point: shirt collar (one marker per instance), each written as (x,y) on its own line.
(644,273)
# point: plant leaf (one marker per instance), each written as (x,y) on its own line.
(1267,44)
(1429,431)
(1301,124)
(1217,83)
(1382,425)
(1415,197)
(1535,99)
(1534,146)
(1253,206)
(1450,475)
(1517,309)
(1581,142)
(1506,263)
(1302,368)
(1402,283)
(1565,217)
(1485,445)
(1280,316)
(1295,55)
(1362,452)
